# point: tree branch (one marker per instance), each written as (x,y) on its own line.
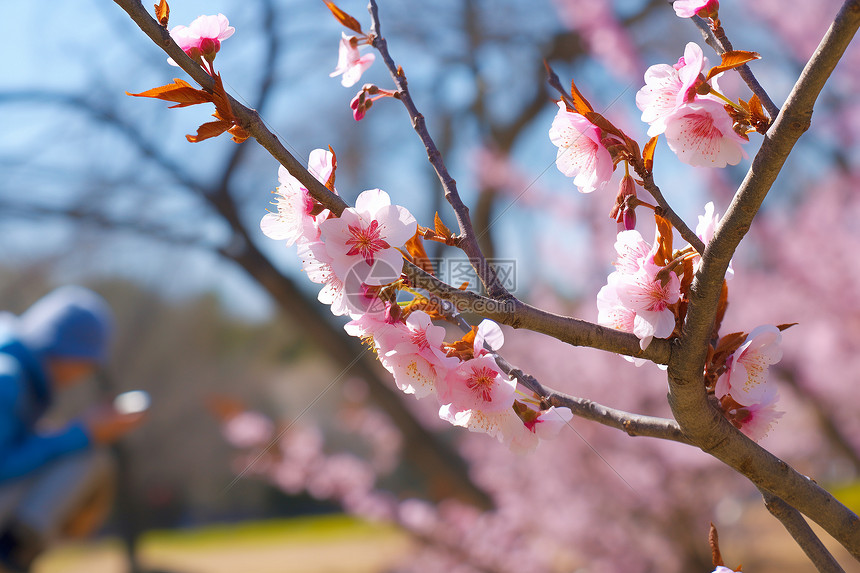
(647,178)
(518,314)
(467,241)
(706,427)
(718,40)
(249,119)
(802,533)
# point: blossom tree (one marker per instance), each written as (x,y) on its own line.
(662,304)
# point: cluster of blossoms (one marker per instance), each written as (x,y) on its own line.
(357,258)
(638,295)
(677,102)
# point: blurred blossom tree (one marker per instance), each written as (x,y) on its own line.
(666,302)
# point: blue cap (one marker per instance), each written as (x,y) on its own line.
(70,322)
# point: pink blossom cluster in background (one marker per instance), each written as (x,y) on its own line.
(604,36)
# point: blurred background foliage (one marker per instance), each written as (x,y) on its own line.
(102,189)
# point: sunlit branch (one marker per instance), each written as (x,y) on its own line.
(720,43)
(518,314)
(248,118)
(802,534)
(468,241)
(708,429)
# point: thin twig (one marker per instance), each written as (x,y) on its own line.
(632,424)
(717,39)
(468,240)
(803,535)
(647,178)
(707,427)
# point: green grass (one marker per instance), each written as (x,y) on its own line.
(849,494)
(299,530)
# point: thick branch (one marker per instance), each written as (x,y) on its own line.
(468,240)
(802,534)
(518,314)
(708,429)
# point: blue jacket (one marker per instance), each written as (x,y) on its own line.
(25,395)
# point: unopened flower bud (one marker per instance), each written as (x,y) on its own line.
(709,10)
(625,204)
(209,47)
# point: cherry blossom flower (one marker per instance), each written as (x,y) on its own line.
(248,429)
(757,419)
(317,264)
(581,154)
(349,62)
(690,8)
(293,222)
(417,359)
(488,334)
(637,296)
(362,243)
(746,377)
(649,296)
(701,134)
(705,230)
(476,385)
(611,312)
(669,88)
(203,37)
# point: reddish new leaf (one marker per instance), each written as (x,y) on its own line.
(180,92)
(758,117)
(238,133)
(648,153)
(581,105)
(162,13)
(732,60)
(714,542)
(344,18)
(440,227)
(209,130)
(418,255)
(330,183)
(664,238)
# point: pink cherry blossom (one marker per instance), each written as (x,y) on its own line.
(362,243)
(649,295)
(349,62)
(757,419)
(417,359)
(633,251)
(476,385)
(701,135)
(690,8)
(581,154)
(203,37)
(489,334)
(317,264)
(610,310)
(248,429)
(705,230)
(636,296)
(668,88)
(746,377)
(293,222)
